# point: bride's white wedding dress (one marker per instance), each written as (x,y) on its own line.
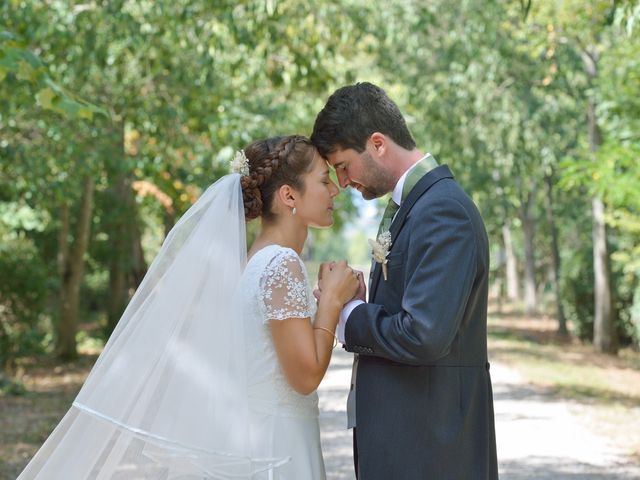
(274,286)
(188,386)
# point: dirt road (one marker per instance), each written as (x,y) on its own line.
(539,437)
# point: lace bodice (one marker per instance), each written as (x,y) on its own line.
(275,287)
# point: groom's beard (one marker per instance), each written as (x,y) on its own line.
(375,180)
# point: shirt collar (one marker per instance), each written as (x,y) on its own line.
(396,194)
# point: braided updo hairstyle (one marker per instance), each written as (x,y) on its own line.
(274,162)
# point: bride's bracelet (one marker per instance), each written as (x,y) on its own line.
(335,339)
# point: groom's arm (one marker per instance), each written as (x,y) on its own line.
(344,316)
(441,264)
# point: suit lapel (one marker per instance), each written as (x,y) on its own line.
(424,184)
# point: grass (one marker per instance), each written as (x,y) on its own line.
(604,389)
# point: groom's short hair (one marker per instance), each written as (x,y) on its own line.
(352,114)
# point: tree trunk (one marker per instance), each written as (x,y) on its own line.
(63,239)
(528,225)
(604,334)
(117,280)
(120,242)
(139,263)
(169,220)
(511,265)
(127,266)
(555,258)
(72,271)
(604,337)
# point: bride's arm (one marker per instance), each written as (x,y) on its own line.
(304,348)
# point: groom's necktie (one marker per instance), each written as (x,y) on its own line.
(387,216)
(423,166)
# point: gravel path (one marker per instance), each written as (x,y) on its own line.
(538,436)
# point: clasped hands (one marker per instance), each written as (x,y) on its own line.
(339,279)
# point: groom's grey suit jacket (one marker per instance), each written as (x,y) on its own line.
(424,403)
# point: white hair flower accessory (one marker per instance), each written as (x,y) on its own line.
(240,163)
(380,250)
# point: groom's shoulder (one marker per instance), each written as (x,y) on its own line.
(443,190)
(444,195)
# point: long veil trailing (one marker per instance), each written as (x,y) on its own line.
(167,398)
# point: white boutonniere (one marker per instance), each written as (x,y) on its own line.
(380,250)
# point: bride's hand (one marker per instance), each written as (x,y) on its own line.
(339,281)
(361,294)
(323,266)
(317,292)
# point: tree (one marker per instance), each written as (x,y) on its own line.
(184,85)
(582,30)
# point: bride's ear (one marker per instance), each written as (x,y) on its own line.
(287,196)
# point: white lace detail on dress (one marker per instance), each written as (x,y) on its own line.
(275,286)
(283,288)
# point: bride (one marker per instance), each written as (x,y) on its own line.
(211,372)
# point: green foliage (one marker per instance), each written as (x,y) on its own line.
(613,172)
(22,297)
(634,312)
(497,92)
(184,85)
(18,65)
(327,246)
(576,280)
(627,15)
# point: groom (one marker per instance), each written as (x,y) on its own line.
(421,400)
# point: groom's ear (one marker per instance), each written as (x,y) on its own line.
(379,141)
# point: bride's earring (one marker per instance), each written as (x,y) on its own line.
(293,212)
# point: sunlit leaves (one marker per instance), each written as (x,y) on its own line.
(23,65)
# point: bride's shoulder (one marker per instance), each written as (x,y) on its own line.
(282,256)
(273,256)
(279,262)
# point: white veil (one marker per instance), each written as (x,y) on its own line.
(167,398)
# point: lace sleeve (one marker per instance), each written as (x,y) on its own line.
(283,288)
